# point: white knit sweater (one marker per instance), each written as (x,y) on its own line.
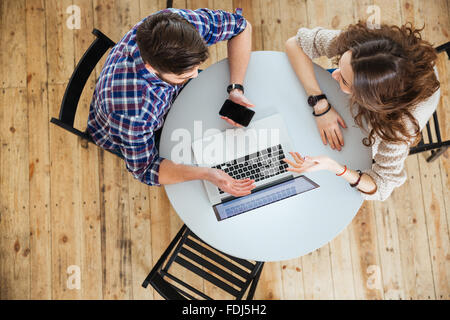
(388,170)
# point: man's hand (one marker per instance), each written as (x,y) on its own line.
(226,183)
(328,125)
(238,97)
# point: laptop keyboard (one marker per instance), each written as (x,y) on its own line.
(260,165)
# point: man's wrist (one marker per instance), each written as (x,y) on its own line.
(205,173)
(234,86)
(236,90)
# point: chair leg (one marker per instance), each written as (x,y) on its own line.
(251,291)
(436,154)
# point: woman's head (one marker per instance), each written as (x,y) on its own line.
(387,72)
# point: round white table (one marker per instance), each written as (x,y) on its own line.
(289,228)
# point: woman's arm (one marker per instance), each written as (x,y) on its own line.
(328,124)
(309,164)
(303,68)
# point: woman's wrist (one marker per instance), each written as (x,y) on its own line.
(336,167)
(321,106)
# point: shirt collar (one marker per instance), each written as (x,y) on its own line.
(150,77)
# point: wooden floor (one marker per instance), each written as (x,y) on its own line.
(64,203)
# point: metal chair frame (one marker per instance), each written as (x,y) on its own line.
(437,147)
(185,249)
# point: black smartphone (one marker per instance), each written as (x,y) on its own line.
(237,112)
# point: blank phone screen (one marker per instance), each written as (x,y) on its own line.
(236,112)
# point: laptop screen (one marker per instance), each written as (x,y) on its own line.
(263,197)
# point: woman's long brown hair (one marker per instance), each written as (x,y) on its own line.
(393,72)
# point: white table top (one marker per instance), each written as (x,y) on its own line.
(286,229)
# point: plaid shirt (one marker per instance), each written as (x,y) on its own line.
(130,102)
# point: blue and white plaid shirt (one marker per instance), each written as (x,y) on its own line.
(130,102)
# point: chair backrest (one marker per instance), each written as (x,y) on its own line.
(444,47)
(77,82)
(233,275)
(436,146)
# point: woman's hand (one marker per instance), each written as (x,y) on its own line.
(238,97)
(226,183)
(310,164)
(328,125)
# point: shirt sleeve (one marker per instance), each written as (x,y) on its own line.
(215,25)
(316,42)
(137,144)
(388,170)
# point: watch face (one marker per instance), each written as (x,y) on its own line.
(312,101)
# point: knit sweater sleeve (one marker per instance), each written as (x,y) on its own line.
(316,42)
(388,170)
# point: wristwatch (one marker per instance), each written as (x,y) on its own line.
(312,100)
(235,86)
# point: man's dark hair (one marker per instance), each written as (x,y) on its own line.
(170,44)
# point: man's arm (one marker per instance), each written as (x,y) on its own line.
(170,172)
(239,50)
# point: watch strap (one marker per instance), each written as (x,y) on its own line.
(235,86)
(312,100)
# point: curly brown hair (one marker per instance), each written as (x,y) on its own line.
(393,72)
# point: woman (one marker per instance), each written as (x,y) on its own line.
(390,76)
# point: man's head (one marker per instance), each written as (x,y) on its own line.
(171,47)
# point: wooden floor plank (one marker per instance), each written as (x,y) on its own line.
(252,12)
(407,202)
(317,274)
(38,152)
(60,45)
(365,255)
(65,205)
(293,16)
(14,196)
(388,242)
(13,39)
(271,25)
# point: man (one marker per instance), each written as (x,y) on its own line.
(143,75)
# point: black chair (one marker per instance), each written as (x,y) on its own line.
(436,147)
(77,82)
(186,250)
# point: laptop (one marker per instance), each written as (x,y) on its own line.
(255,152)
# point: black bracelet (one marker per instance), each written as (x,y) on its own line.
(235,86)
(357,181)
(318,115)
